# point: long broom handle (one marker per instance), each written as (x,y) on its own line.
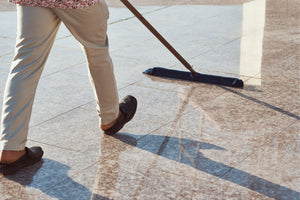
(159,36)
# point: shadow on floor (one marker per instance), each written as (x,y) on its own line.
(188,152)
(48,176)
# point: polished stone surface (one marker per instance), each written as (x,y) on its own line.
(188,140)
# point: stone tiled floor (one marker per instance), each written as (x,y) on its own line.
(188,140)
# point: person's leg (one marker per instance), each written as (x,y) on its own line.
(89,27)
(37,28)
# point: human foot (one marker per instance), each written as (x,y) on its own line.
(128,108)
(32,155)
(107,126)
(8,157)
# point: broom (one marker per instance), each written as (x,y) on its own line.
(175,74)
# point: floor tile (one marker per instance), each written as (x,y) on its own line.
(65,88)
(152,102)
(7,58)
(188,140)
(262,164)
(58,165)
(61,59)
(7,46)
(74,130)
(281,97)
(9,21)
(77,187)
(43,111)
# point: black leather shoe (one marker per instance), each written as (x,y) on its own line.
(128,108)
(32,156)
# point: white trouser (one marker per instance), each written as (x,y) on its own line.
(37,28)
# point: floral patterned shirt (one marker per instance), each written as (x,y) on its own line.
(63,4)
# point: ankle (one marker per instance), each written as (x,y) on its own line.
(107,126)
(7,157)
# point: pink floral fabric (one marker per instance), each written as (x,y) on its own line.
(63,4)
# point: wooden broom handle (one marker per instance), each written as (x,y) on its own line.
(159,36)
